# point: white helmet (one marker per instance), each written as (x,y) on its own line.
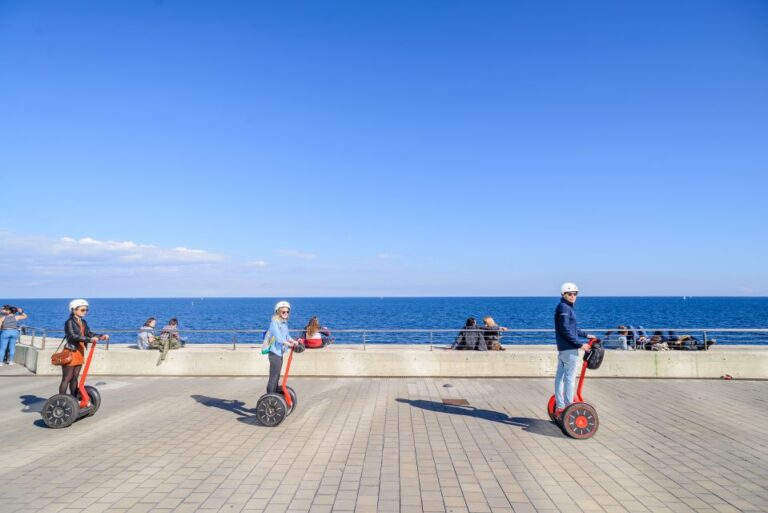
(77,303)
(282,304)
(568,287)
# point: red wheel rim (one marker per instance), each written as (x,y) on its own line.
(580,421)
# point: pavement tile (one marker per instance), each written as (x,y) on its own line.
(351,446)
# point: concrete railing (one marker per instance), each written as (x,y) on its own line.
(741,362)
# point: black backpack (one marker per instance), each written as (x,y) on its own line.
(594,357)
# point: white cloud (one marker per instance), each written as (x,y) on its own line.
(259,264)
(295,253)
(129,252)
(386,256)
(46,266)
(49,255)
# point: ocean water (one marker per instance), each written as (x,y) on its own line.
(226,314)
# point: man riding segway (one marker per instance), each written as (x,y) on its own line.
(567,335)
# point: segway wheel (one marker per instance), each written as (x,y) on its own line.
(292,393)
(95,396)
(271,410)
(60,411)
(551,408)
(580,421)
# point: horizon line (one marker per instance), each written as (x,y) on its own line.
(687,296)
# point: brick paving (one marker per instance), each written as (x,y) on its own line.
(386,445)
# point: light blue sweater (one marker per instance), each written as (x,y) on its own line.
(279,330)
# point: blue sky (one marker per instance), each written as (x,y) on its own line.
(166,148)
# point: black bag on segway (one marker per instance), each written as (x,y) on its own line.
(594,357)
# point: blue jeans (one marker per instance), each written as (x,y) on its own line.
(8,338)
(567,364)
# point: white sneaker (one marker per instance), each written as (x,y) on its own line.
(11,363)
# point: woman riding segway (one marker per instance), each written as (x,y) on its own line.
(63,409)
(274,406)
(78,335)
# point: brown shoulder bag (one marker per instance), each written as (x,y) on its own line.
(63,357)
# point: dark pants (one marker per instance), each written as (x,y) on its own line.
(69,379)
(275,366)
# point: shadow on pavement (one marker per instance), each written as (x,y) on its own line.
(536,426)
(32,403)
(233,405)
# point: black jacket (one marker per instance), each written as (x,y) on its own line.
(492,335)
(73,334)
(469,339)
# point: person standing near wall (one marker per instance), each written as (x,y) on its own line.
(9,317)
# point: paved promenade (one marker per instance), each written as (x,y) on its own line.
(389,445)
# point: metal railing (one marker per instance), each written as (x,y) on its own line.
(436,337)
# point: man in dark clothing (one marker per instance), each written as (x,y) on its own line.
(567,335)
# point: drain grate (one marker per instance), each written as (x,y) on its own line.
(456,402)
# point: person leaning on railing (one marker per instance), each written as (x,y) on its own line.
(9,317)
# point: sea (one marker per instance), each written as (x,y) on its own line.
(242,320)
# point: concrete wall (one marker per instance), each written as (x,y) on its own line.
(26,356)
(746,362)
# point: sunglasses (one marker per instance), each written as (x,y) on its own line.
(571,293)
(286,312)
(82,309)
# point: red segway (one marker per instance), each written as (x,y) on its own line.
(61,410)
(272,409)
(579,419)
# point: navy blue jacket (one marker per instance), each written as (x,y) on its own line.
(566,332)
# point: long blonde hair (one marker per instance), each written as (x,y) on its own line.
(488,321)
(313,326)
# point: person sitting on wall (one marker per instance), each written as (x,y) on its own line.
(616,340)
(492,334)
(470,338)
(657,342)
(146,337)
(316,336)
(170,333)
